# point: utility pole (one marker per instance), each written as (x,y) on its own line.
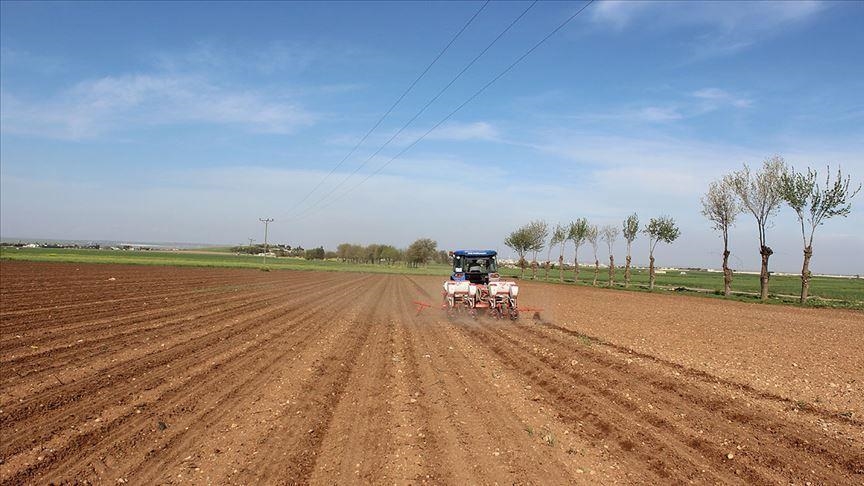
(250,244)
(266,222)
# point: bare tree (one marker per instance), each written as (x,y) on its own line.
(578,233)
(539,231)
(609,235)
(593,233)
(721,207)
(559,234)
(814,204)
(520,242)
(760,194)
(631,229)
(659,229)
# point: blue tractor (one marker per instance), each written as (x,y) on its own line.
(475,266)
(476,287)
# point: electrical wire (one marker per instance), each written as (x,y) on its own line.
(421,111)
(392,107)
(458,108)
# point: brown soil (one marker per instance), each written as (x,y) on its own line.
(116,374)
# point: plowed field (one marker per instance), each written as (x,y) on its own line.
(115,374)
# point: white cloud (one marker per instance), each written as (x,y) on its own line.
(464,131)
(115,103)
(718,97)
(726,27)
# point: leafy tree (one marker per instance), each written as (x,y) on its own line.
(390,254)
(760,193)
(609,234)
(659,229)
(578,233)
(814,204)
(630,230)
(538,231)
(593,234)
(520,241)
(421,251)
(559,234)
(315,253)
(720,205)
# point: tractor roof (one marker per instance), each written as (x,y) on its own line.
(475,253)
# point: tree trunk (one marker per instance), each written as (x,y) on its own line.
(547,270)
(576,267)
(651,272)
(766,253)
(627,273)
(805,274)
(611,270)
(596,271)
(561,268)
(727,274)
(533,269)
(522,268)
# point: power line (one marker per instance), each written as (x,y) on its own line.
(422,110)
(393,106)
(464,103)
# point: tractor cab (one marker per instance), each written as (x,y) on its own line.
(475,266)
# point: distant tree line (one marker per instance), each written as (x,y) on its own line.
(420,252)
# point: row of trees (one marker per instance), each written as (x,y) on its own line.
(420,252)
(761,193)
(531,238)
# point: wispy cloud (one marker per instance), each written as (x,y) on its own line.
(716,97)
(116,103)
(725,27)
(684,106)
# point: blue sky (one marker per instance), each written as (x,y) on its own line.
(189,121)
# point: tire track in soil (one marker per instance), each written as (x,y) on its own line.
(484,439)
(301,443)
(397,447)
(675,435)
(63,408)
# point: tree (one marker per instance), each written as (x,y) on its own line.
(814,204)
(577,233)
(721,207)
(421,251)
(631,229)
(609,235)
(559,234)
(659,229)
(538,231)
(520,242)
(315,253)
(562,242)
(593,233)
(760,194)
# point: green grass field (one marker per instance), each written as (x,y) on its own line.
(842,292)
(203,258)
(827,287)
